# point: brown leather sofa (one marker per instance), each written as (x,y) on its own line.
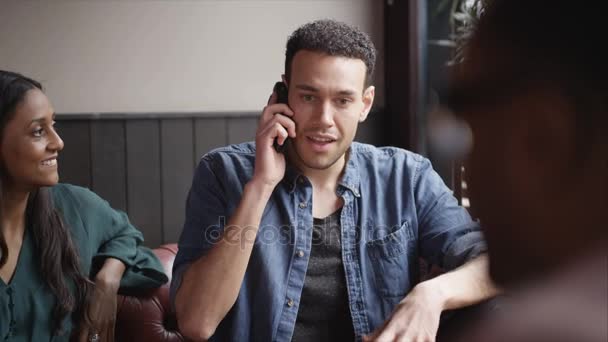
(147,316)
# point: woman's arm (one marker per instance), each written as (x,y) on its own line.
(110,274)
(102,304)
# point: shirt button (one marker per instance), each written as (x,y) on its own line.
(303,205)
(290,302)
(300,253)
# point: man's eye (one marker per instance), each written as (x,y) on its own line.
(344,102)
(307,98)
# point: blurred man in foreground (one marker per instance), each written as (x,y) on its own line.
(533,88)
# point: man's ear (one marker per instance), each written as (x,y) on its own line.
(368,100)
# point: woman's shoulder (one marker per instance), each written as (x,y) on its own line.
(81,207)
(69,194)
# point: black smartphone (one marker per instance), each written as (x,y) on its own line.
(281,89)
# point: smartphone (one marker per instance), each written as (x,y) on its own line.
(281,89)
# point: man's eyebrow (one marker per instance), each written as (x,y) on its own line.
(346,92)
(307,87)
(315,90)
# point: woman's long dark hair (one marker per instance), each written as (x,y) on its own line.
(58,259)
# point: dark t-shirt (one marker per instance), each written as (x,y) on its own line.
(324,314)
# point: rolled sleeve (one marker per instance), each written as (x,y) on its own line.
(464,248)
(448,236)
(120,239)
(108,233)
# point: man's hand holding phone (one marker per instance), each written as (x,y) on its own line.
(275,124)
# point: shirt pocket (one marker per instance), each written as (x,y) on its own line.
(393,258)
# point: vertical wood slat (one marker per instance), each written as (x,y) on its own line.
(177,166)
(75,159)
(108,161)
(208,134)
(144,179)
(241,129)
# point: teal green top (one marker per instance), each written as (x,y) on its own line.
(99,232)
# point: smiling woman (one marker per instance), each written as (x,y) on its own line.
(31,144)
(64,252)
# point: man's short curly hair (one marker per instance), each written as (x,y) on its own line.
(335,39)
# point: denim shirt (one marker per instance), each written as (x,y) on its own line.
(396,210)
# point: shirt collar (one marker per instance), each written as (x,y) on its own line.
(349,180)
(350,175)
(292,174)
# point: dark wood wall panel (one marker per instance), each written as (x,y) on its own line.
(143,178)
(75,159)
(369,131)
(241,129)
(208,134)
(144,164)
(177,167)
(108,161)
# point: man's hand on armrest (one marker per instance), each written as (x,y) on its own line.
(417,315)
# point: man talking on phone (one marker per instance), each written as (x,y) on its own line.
(319,238)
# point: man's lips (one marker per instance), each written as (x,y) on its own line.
(321,139)
(320,143)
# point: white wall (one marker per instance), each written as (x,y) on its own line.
(164,56)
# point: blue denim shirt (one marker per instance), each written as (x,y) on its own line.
(396,209)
